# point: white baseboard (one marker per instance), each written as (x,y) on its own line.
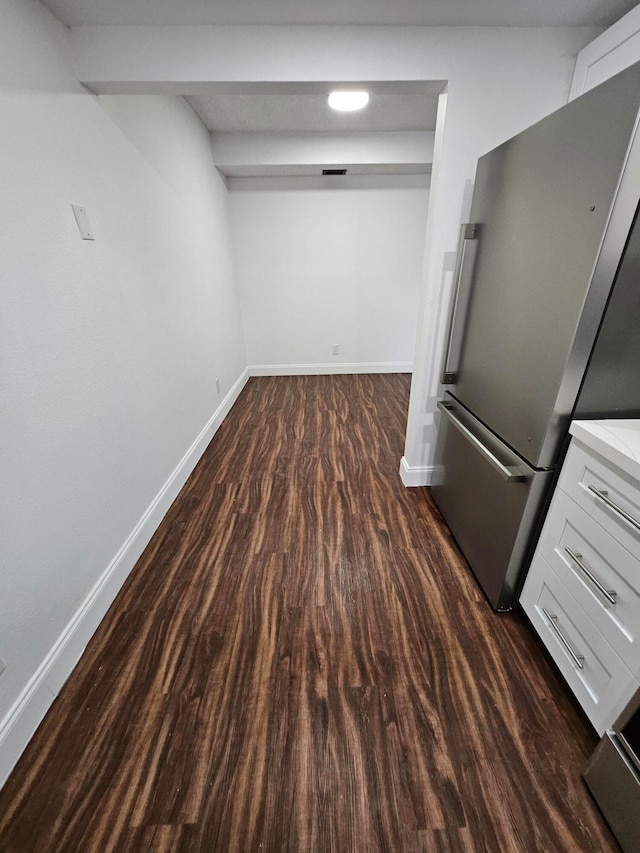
(415,475)
(26,714)
(330,367)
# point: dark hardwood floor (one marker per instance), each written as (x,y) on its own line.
(301,661)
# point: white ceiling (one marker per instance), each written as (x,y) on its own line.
(303,108)
(491,13)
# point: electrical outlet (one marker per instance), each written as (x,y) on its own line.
(2,666)
(335,349)
(218,384)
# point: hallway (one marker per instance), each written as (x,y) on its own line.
(301,661)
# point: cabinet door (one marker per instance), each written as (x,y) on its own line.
(597,676)
(599,572)
(585,477)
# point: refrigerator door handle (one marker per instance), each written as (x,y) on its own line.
(510,473)
(468,231)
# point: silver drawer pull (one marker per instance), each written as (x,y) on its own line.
(604,496)
(609,594)
(577,659)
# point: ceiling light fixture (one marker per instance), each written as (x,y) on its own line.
(347,102)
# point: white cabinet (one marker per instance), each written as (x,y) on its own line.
(582,593)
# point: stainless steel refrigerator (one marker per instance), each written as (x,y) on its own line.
(545,323)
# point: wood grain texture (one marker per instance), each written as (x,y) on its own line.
(302,661)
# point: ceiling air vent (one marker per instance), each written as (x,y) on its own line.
(334,171)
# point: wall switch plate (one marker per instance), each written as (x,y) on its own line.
(335,349)
(82,221)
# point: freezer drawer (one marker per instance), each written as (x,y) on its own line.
(489,497)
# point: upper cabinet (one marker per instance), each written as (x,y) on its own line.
(614,50)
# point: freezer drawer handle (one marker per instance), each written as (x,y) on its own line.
(468,231)
(604,496)
(510,473)
(577,659)
(609,594)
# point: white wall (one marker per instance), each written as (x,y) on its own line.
(260,154)
(322,261)
(109,349)
(499,81)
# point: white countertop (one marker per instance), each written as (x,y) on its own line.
(618,441)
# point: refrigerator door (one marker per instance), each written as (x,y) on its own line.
(489,497)
(541,204)
(611,386)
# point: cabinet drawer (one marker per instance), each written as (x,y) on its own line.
(582,472)
(595,568)
(598,677)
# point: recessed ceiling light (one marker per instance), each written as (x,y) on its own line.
(347,102)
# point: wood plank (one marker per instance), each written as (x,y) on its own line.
(301,660)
